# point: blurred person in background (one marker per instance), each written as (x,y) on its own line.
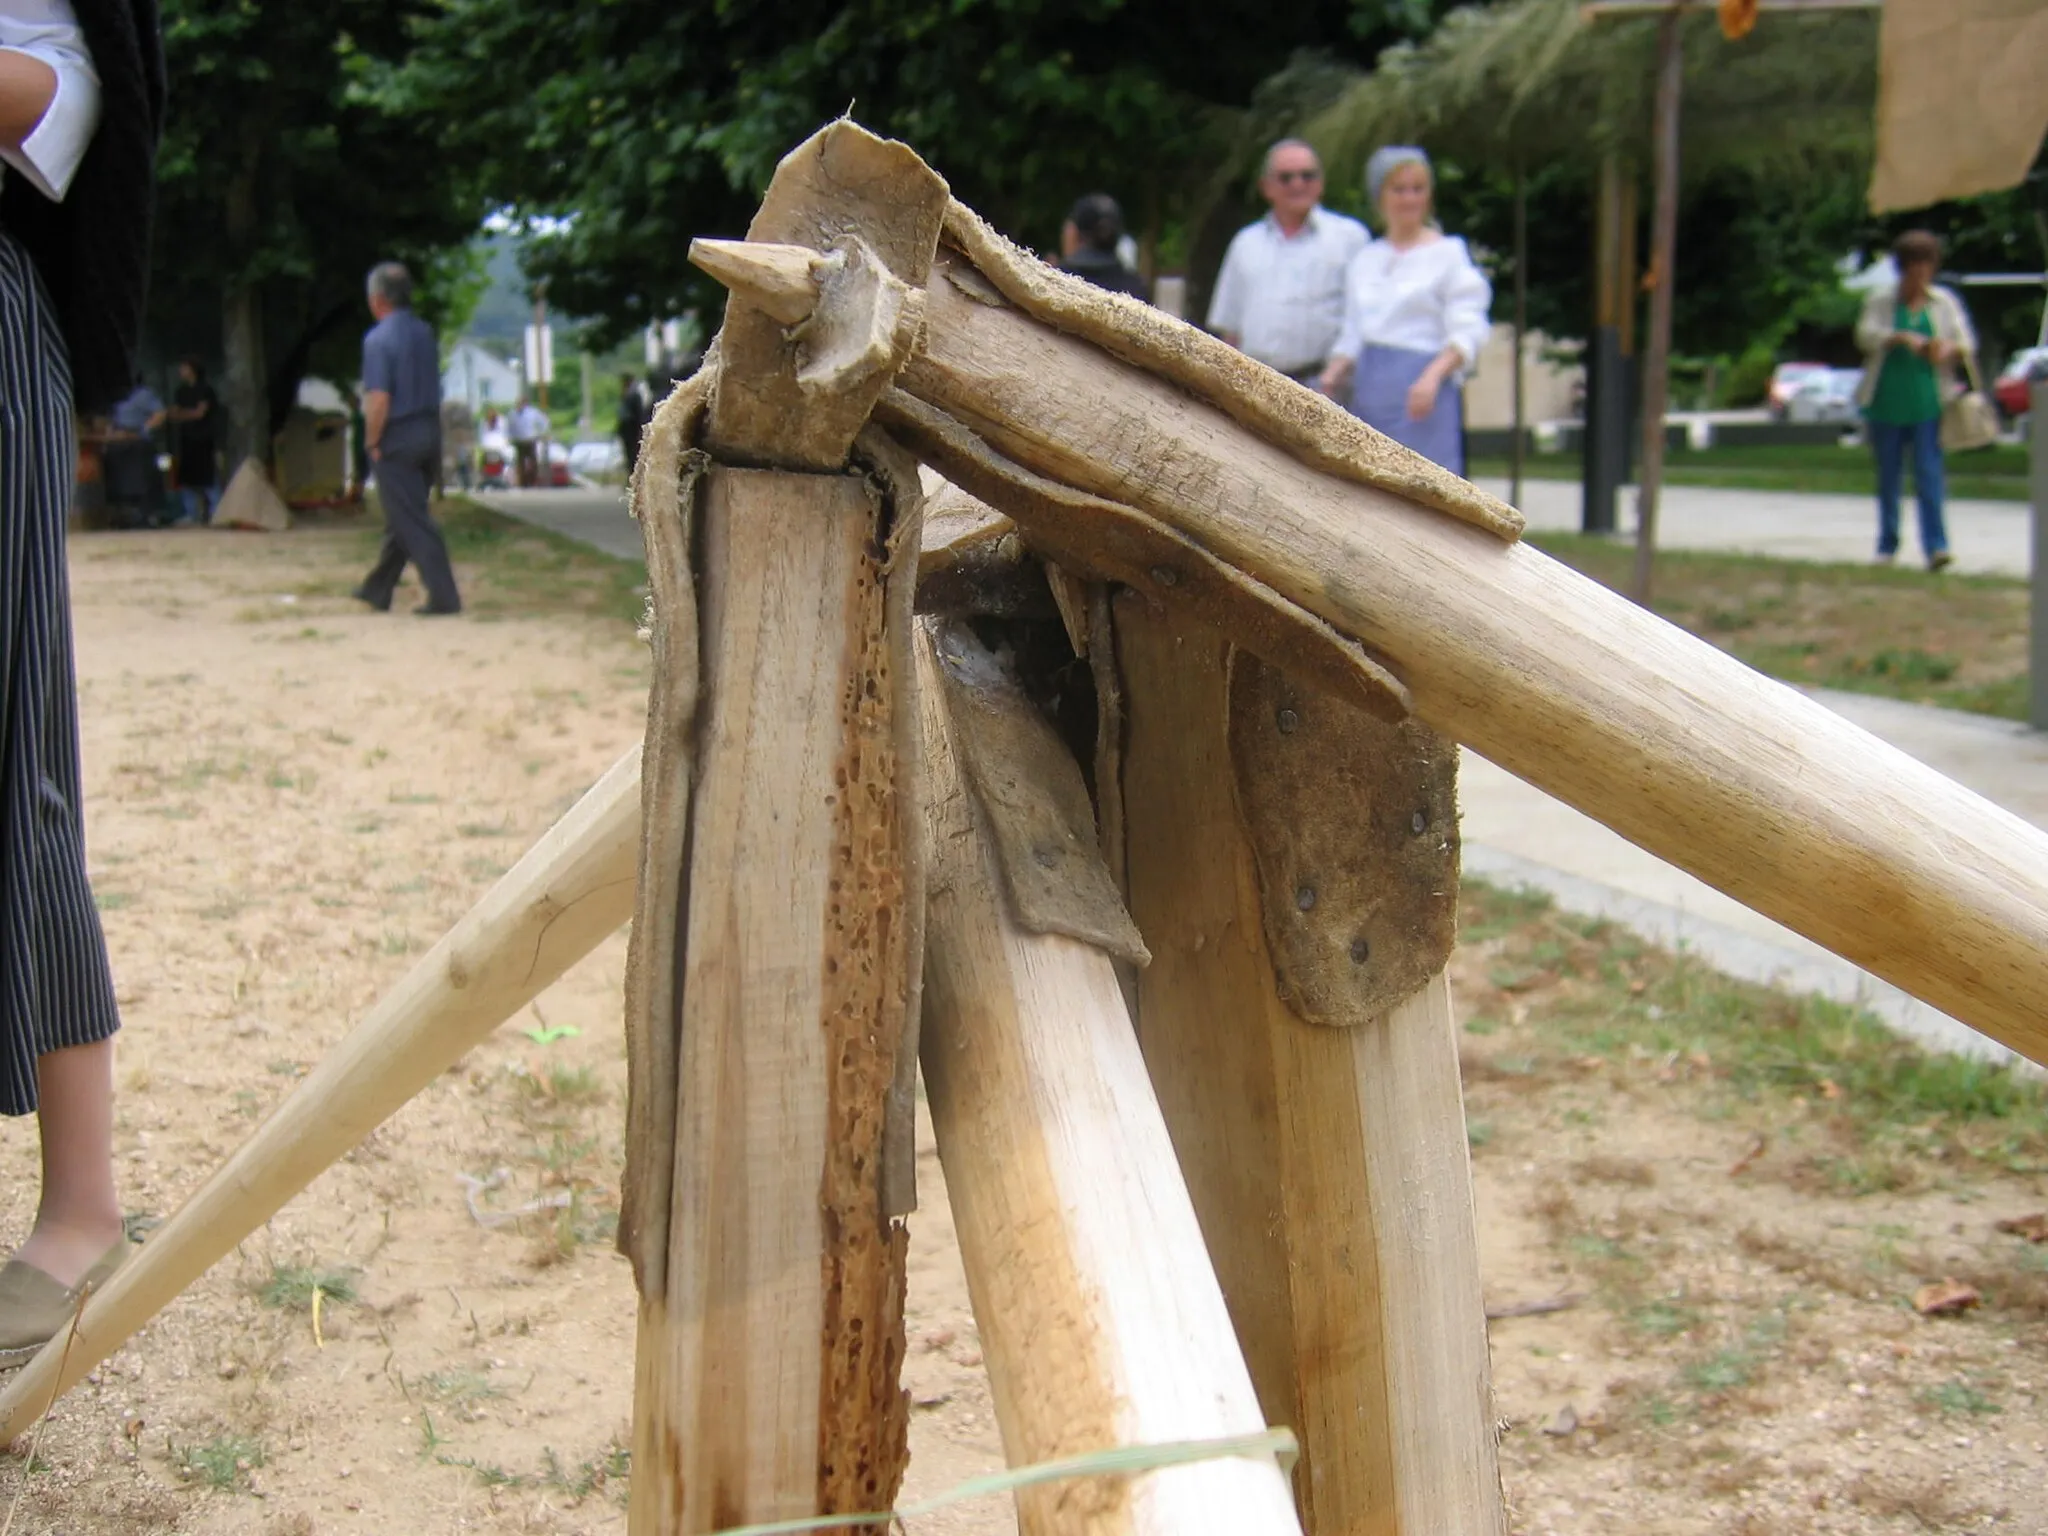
(528,426)
(1089,246)
(1415,316)
(74,261)
(196,411)
(458,442)
(402,435)
(134,482)
(636,409)
(1913,334)
(1280,294)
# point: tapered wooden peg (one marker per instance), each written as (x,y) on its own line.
(779,280)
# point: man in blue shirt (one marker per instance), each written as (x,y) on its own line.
(402,430)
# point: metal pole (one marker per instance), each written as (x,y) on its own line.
(1521,331)
(1605,423)
(1663,255)
(2037,642)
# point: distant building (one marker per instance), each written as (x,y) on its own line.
(475,376)
(1548,381)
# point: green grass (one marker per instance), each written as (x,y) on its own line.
(512,569)
(1996,474)
(1957,1397)
(223,1463)
(290,1287)
(1957,641)
(1877,1110)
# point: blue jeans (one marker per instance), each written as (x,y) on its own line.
(199,502)
(1891,443)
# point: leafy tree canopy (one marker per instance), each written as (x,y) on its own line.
(637,124)
(286,173)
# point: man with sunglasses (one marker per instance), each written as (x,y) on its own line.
(1280,295)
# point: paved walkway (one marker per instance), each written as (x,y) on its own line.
(1517,834)
(1989,538)
(594,515)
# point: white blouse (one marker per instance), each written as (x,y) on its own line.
(1422,299)
(48,30)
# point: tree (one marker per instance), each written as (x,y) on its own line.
(1777,133)
(285,174)
(634,125)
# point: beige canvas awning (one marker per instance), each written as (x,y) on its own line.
(1962,98)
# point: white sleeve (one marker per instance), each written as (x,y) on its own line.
(1226,305)
(1351,331)
(49,156)
(1468,305)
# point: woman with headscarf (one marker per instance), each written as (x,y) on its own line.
(81,103)
(1415,317)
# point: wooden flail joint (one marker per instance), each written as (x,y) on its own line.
(1286,621)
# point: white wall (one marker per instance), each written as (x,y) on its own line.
(1547,387)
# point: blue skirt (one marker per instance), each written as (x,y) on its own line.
(1379,398)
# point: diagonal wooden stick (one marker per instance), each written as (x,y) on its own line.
(572,890)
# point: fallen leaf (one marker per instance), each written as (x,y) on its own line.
(1944,1298)
(1830,1089)
(2033,1228)
(1756,1150)
(1566,1422)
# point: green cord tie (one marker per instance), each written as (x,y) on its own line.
(1279,1443)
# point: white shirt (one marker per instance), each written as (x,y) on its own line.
(1423,299)
(529,424)
(1282,295)
(47,30)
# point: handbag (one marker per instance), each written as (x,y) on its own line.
(1968,421)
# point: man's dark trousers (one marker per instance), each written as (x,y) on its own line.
(408,459)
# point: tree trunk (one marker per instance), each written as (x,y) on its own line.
(1663,259)
(246,374)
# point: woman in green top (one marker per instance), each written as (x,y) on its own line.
(1913,334)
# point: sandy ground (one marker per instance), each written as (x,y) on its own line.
(289,798)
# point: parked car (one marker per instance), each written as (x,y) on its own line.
(2013,386)
(1829,395)
(598,456)
(1785,381)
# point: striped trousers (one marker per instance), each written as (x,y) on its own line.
(55,989)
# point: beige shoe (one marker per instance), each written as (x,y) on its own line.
(34,1308)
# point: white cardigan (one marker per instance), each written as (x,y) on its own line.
(1874,329)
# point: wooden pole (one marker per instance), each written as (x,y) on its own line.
(1100,1316)
(1663,258)
(1327,1163)
(2037,601)
(1753,787)
(777,976)
(768,1360)
(1520,449)
(571,891)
